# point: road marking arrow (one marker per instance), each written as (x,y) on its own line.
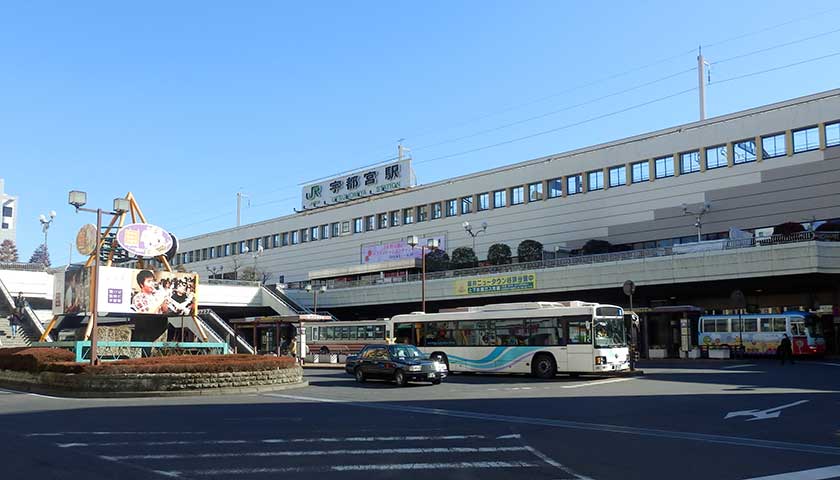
(774,412)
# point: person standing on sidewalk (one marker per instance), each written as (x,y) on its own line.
(786,350)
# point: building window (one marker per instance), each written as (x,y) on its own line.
(535,192)
(500,198)
(466,205)
(773,146)
(483,202)
(690,162)
(313,233)
(832,134)
(408,216)
(618,176)
(358,225)
(744,151)
(249,245)
(284,239)
(336,229)
(451,206)
(641,171)
(595,180)
(212,252)
(555,188)
(664,167)
(383,220)
(370,223)
(228,249)
(422,213)
(345,227)
(275,240)
(517,195)
(395,218)
(325,232)
(574,184)
(241,247)
(304,235)
(806,139)
(716,157)
(295,237)
(436,211)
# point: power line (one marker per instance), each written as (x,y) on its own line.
(773,69)
(774,47)
(772,27)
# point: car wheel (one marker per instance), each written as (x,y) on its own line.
(399,378)
(543,366)
(360,375)
(436,381)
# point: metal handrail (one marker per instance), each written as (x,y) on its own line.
(724,244)
(26,267)
(219,321)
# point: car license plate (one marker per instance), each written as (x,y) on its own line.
(431,375)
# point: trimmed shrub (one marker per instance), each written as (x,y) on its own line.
(499,254)
(463,257)
(529,251)
(594,247)
(788,228)
(437,261)
(33,360)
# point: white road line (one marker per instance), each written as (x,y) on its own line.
(318,453)
(826,363)
(745,365)
(60,434)
(354,468)
(506,437)
(596,383)
(545,458)
(814,474)
(405,438)
(648,432)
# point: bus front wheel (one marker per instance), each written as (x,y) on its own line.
(543,366)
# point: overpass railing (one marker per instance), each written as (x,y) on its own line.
(706,246)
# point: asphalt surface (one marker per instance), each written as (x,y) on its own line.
(670,423)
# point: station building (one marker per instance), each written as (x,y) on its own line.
(747,172)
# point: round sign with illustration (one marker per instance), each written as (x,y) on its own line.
(86,239)
(144,240)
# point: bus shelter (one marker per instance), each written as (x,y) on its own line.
(668,331)
(276,334)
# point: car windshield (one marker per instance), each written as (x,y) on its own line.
(405,351)
(609,332)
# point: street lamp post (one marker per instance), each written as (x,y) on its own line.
(698,221)
(45,224)
(78,200)
(315,291)
(431,244)
(473,234)
(214,270)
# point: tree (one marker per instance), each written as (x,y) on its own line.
(788,228)
(463,257)
(499,254)
(437,261)
(252,274)
(8,251)
(41,255)
(529,251)
(594,247)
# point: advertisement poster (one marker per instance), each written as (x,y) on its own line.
(133,291)
(144,240)
(399,250)
(501,283)
(72,291)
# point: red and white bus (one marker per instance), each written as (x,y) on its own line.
(760,334)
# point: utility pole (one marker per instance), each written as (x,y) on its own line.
(701,85)
(239,197)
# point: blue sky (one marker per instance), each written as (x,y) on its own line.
(184,103)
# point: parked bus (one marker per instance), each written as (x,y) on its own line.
(344,337)
(541,338)
(761,334)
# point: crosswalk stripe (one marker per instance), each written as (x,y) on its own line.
(354,468)
(103,433)
(405,438)
(307,453)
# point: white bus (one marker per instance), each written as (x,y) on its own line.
(541,338)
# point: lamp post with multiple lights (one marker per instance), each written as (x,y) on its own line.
(45,224)
(698,217)
(315,291)
(121,205)
(431,244)
(474,233)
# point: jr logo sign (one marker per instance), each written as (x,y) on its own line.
(314,192)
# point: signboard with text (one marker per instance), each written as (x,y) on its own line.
(365,183)
(398,250)
(496,284)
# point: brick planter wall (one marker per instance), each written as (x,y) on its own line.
(153,384)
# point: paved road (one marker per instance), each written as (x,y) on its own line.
(671,423)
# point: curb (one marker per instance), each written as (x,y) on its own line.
(31,388)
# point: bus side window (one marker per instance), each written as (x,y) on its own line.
(579,332)
(722,325)
(708,325)
(766,324)
(779,324)
(750,325)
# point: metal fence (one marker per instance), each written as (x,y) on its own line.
(707,246)
(24,267)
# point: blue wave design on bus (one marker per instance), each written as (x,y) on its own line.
(499,354)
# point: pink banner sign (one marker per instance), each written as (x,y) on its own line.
(400,250)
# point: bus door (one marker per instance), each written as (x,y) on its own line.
(579,344)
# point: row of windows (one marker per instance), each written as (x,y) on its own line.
(346,333)
(481,333)
(743,151)
(764,324)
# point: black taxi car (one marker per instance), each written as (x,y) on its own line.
(400,363)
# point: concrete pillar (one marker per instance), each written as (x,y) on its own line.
(759,150)
(702,157)
(651,170)
(677,164)
(606,178)
(821,129)
(564,186)
(789,143)
(730,154)
(545,189)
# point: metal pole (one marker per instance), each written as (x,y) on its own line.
(699,230)
(239,205)
(94,360)
(314,301)
(701,87)
(423,278)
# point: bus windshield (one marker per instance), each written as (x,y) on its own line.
(609,332)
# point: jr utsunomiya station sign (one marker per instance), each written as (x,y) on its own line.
(364,183)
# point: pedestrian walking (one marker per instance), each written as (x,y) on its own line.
(785,350)
(14,322)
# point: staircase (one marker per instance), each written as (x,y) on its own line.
(30,328)
(6,340)
(224,331)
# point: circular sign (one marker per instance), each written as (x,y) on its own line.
(86,239)
(144,240)
(173,250)
(629,287)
